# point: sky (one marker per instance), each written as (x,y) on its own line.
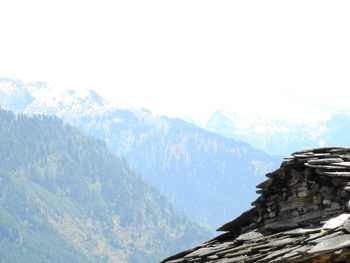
(285,59)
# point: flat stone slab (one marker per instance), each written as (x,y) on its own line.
(302,231)
(205,251)
(335,174)
(281,226)
(323,150)
(176,261)
(345,164)
(303,155)
(346,226)
(334,166)
(284,241)
(331,244)
(276,254)
(239,221)
(326,161)
(336,221)
(250,235)
(264,184)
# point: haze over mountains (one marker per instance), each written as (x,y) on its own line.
(103,211)
(181,160)
(282,137)
(65,198)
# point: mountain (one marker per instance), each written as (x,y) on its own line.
(65,198)
(282,137)
(203,174)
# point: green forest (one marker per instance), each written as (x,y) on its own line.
(65,198)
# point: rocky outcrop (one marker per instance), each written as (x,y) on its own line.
(301,215)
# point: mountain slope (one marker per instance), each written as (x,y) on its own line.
(65,198)
(185,162)
(282,137)
(200,172)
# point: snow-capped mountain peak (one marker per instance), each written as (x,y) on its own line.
(39,98)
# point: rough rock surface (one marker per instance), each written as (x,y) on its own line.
(301,215)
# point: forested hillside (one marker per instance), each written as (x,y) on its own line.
(65,198)
(201,173)
(205,175)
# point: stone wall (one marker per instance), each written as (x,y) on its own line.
(301,215)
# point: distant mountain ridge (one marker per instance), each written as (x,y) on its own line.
(65,198)
(203,174)
(282,137)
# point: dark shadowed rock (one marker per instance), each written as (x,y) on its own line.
(301,215)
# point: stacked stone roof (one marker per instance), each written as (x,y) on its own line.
(301,215)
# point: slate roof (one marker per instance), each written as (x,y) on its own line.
(301,215)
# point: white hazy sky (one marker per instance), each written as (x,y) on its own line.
(283,58)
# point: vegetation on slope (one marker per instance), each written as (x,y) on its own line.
(65,198)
